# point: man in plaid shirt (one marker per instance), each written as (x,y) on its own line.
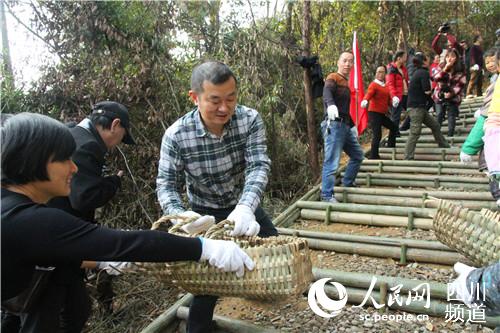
(218,151)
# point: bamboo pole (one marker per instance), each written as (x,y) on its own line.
(386,251)
(459,131)
(431,171)
(423,157)
(440,164)
(366,219)
(422,183)
(229,324)
(437,308)
(452,195)
(367,209)
(166,318)
(403,176)
(410,202)
(436,151)
(430,138)
(363,280)
(414,243)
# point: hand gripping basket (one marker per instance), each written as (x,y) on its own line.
(283,267)
(476,235)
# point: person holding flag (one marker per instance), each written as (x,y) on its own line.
(338,129)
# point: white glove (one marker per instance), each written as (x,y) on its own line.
(225,255)
(465,158)
(477,113)
(332,112)
(395,102)
(201,223)
(459,286)
(115,267)
(244,221)
(354,131)
(364,104)
(475,68)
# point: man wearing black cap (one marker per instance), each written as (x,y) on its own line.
(107,126)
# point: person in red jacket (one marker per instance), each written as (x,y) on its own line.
(378,101)
(397,83)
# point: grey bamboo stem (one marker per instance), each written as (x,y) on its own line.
(229,324)
(366,219)
(414,243)
(384,251)
(452,195)
(430,139)
(369,209)
(419,150)
(404,176)
(437,164)
(430,170)
(410,202)
(165,319)
(422,183)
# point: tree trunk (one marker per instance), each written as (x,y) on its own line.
(7,62)
(311,123)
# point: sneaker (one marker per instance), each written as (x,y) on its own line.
(353,184)
(330,200)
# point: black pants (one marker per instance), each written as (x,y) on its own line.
(377,120)
(63,308)
(201,310)
(452,110)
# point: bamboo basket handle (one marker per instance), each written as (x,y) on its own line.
(168,218)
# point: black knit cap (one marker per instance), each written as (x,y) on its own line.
(113,110)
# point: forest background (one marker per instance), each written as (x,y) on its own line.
(131,52)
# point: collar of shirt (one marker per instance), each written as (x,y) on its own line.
(87,125)
(202,131)
(379,82)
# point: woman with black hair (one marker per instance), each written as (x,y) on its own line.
(36,167)
(419,91)
(450,82)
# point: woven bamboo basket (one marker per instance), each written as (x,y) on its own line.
(283,267)
(476,235)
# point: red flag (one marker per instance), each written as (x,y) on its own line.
(358,114)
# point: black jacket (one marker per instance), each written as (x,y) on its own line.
(34,234)
(89,188)
(419,84)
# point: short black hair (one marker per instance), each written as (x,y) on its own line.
(214,72)
(398,54)
(419,59)
(101,120)
(29,142)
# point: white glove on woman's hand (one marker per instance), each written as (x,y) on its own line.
(202,223)
(354,131)
(244,221)
(115,267)
(465,158)
(225,255)
(459,286)
(477,113)
(395,102)
(332,112)
(364,103)
(475,68)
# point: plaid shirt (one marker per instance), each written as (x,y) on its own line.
(455,81)
(219,172)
